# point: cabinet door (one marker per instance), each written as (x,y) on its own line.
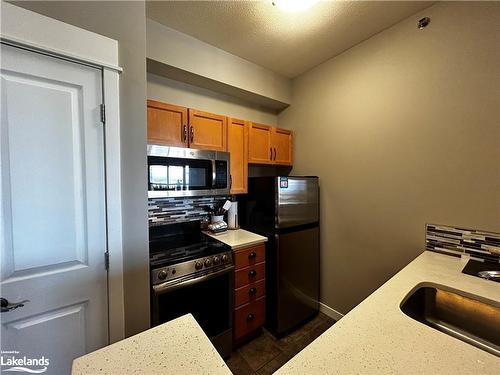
(207,131)
(259,144)
(238,148)
(282,143)
(167,124)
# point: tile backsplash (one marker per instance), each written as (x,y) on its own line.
(458,241)
(177,210)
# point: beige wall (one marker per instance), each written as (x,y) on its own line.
(179,50)
(174,92)
(403,130)
(124,21)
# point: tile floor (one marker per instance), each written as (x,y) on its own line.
(265,354)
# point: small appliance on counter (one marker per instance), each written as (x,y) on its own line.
(217,227)
(192,273)
(217,224)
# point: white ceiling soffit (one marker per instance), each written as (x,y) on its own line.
(286,43)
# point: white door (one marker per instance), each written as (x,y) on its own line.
(53,235)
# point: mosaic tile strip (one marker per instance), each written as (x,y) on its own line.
(178,210)
(457,241)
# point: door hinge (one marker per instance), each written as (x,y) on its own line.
(106,260)
(103,113)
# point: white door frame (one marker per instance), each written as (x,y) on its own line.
(30,30)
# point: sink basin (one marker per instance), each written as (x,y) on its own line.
(472,319)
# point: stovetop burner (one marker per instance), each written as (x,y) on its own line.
(180,251)
(178,243)
(176,249)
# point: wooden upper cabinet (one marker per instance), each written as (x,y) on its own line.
(259,144)
(207,131)
(167,124)
(282,143)
(237,142)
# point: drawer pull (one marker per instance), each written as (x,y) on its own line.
(252,255)
(252,273)
(250,317)
(252,291)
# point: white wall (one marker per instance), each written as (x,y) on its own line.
(174,92)
(402,129)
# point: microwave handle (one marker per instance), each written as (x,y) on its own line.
(214,173)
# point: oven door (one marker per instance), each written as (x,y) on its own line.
(174,172)
(208,297)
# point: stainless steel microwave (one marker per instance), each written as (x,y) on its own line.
(185,172)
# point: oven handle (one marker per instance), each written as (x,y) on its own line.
(170,286)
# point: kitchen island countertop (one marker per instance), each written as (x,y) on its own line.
(238,238)
(376,337)
(177,347)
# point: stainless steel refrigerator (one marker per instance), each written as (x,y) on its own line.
(286,210)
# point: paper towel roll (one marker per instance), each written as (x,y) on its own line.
(232,216)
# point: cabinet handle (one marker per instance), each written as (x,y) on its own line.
(252,291)
(184,134)
(252,273)
(275,154)
(250,317)
(191,129)
(270,153)
(252,255)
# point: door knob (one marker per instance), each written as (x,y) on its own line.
(7,306)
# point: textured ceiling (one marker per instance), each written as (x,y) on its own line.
(286,43)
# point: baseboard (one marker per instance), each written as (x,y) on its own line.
(332,313)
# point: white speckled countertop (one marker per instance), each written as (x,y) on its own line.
(376,337)
(176,347)
(238,238)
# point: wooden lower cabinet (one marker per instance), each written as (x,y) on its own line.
(249,318)
(250,292)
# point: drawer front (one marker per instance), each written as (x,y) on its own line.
(249,275)
(249,256)
(249,293)
(249,317)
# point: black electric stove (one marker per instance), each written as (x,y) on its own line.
(166,249)
(192,273)
(179,250)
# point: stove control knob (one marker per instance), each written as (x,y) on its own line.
(198,265)
(162,275)
(224,258)
(216,260)
(208,262)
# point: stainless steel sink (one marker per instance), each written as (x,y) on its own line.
(469,318)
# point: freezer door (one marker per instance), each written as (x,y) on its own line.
(298,277)
(297,201)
